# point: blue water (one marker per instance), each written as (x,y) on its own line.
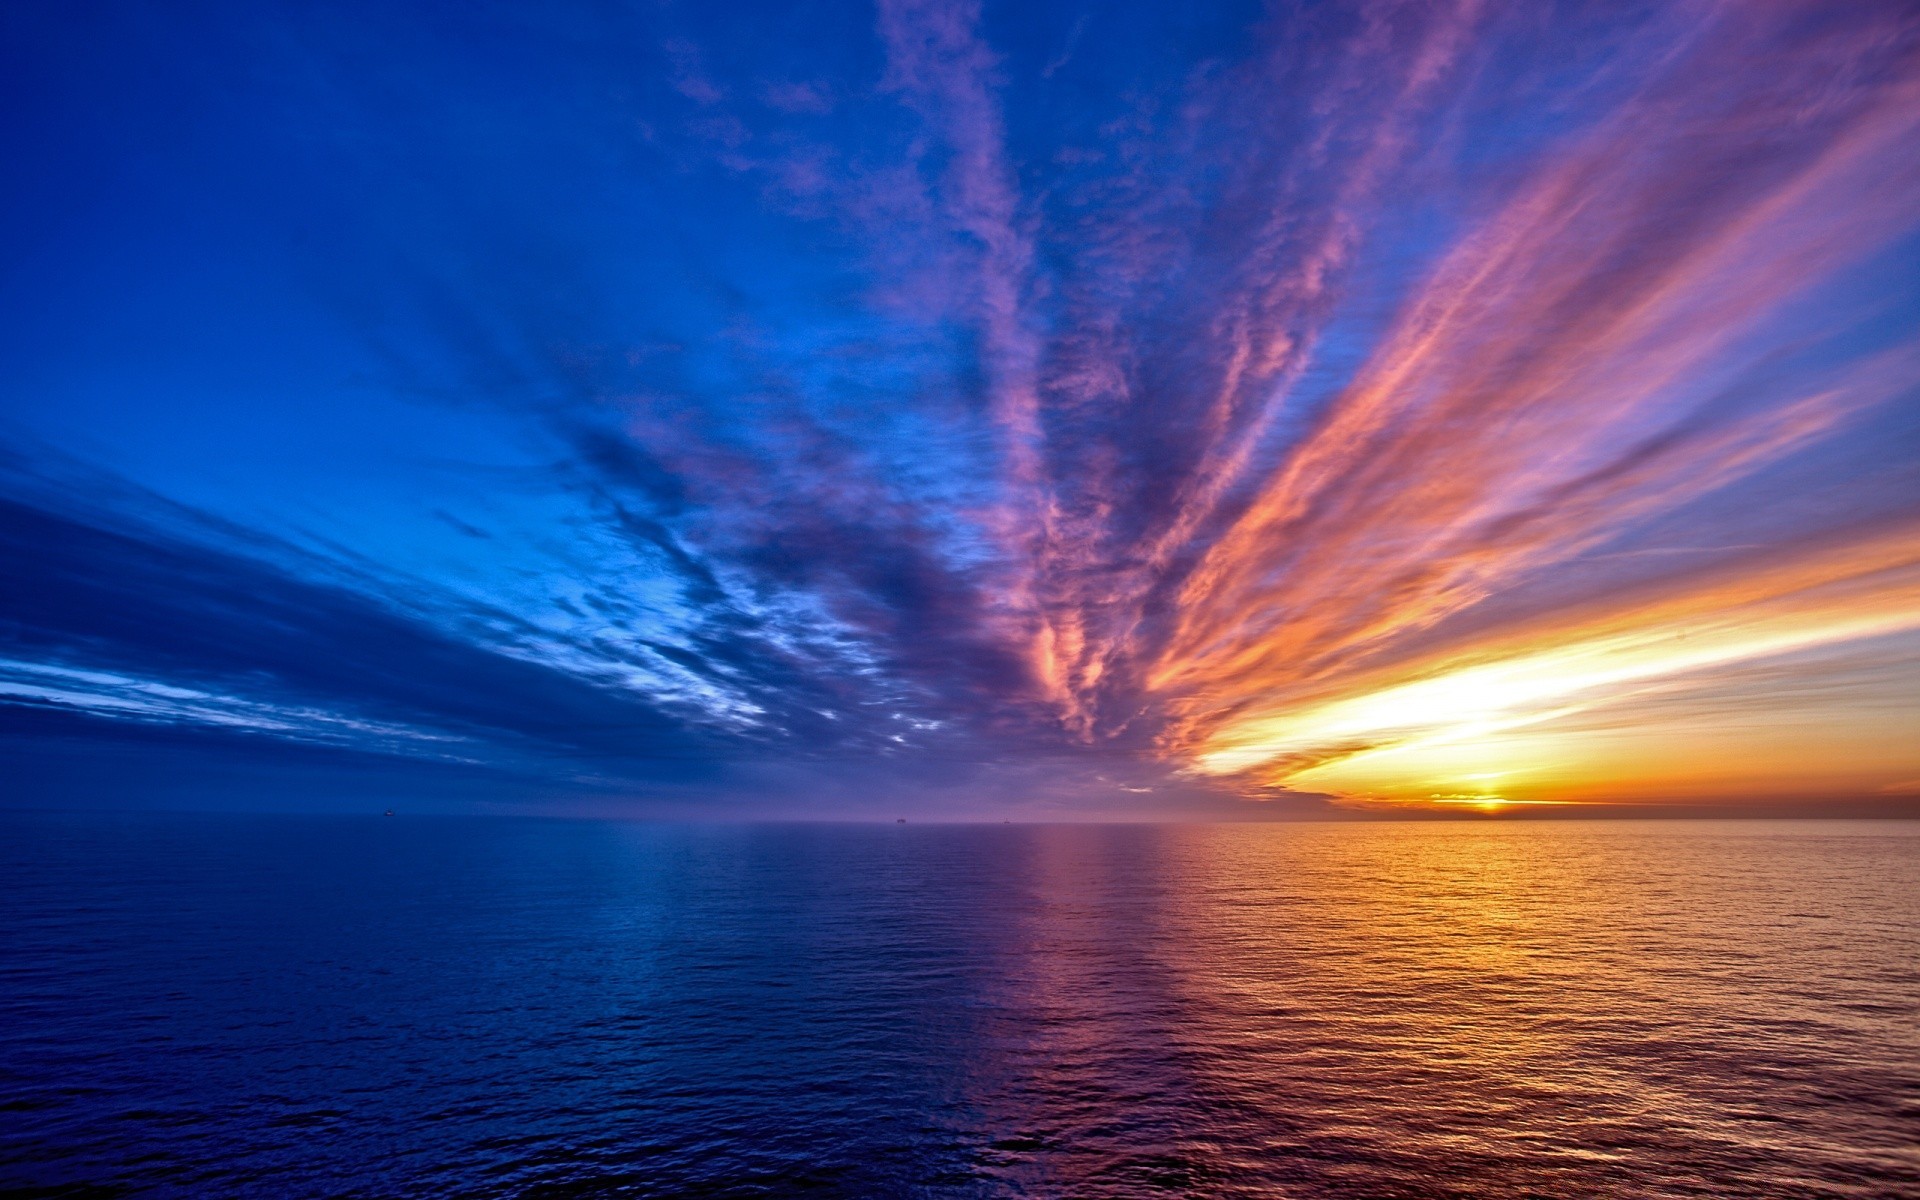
(305,1006)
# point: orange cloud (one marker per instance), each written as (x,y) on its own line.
(1428,719)
(1592,357)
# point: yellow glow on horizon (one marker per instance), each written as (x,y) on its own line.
(1442,729)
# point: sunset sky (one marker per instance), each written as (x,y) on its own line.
(1044,410)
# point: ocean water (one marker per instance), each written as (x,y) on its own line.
(207,1006)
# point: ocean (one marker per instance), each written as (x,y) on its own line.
(308,1006)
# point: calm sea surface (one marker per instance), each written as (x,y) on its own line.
(306,1006)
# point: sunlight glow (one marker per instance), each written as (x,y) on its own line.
(1501,703)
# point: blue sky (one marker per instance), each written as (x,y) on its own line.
(831,409)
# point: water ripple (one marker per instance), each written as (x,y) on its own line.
(294,1006)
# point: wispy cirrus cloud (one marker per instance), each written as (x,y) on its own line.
(1152,400)
(1588,358)
(1617,651)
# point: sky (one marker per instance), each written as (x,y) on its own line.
(955,410)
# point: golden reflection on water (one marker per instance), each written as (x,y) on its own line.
(1463,1009)
(1425,1011)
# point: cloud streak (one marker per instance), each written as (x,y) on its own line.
(1122,407)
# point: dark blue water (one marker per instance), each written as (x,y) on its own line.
(303,1006)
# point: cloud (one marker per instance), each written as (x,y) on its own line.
(1619,651)
(1584,360)
(139,623)
(1126,412)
